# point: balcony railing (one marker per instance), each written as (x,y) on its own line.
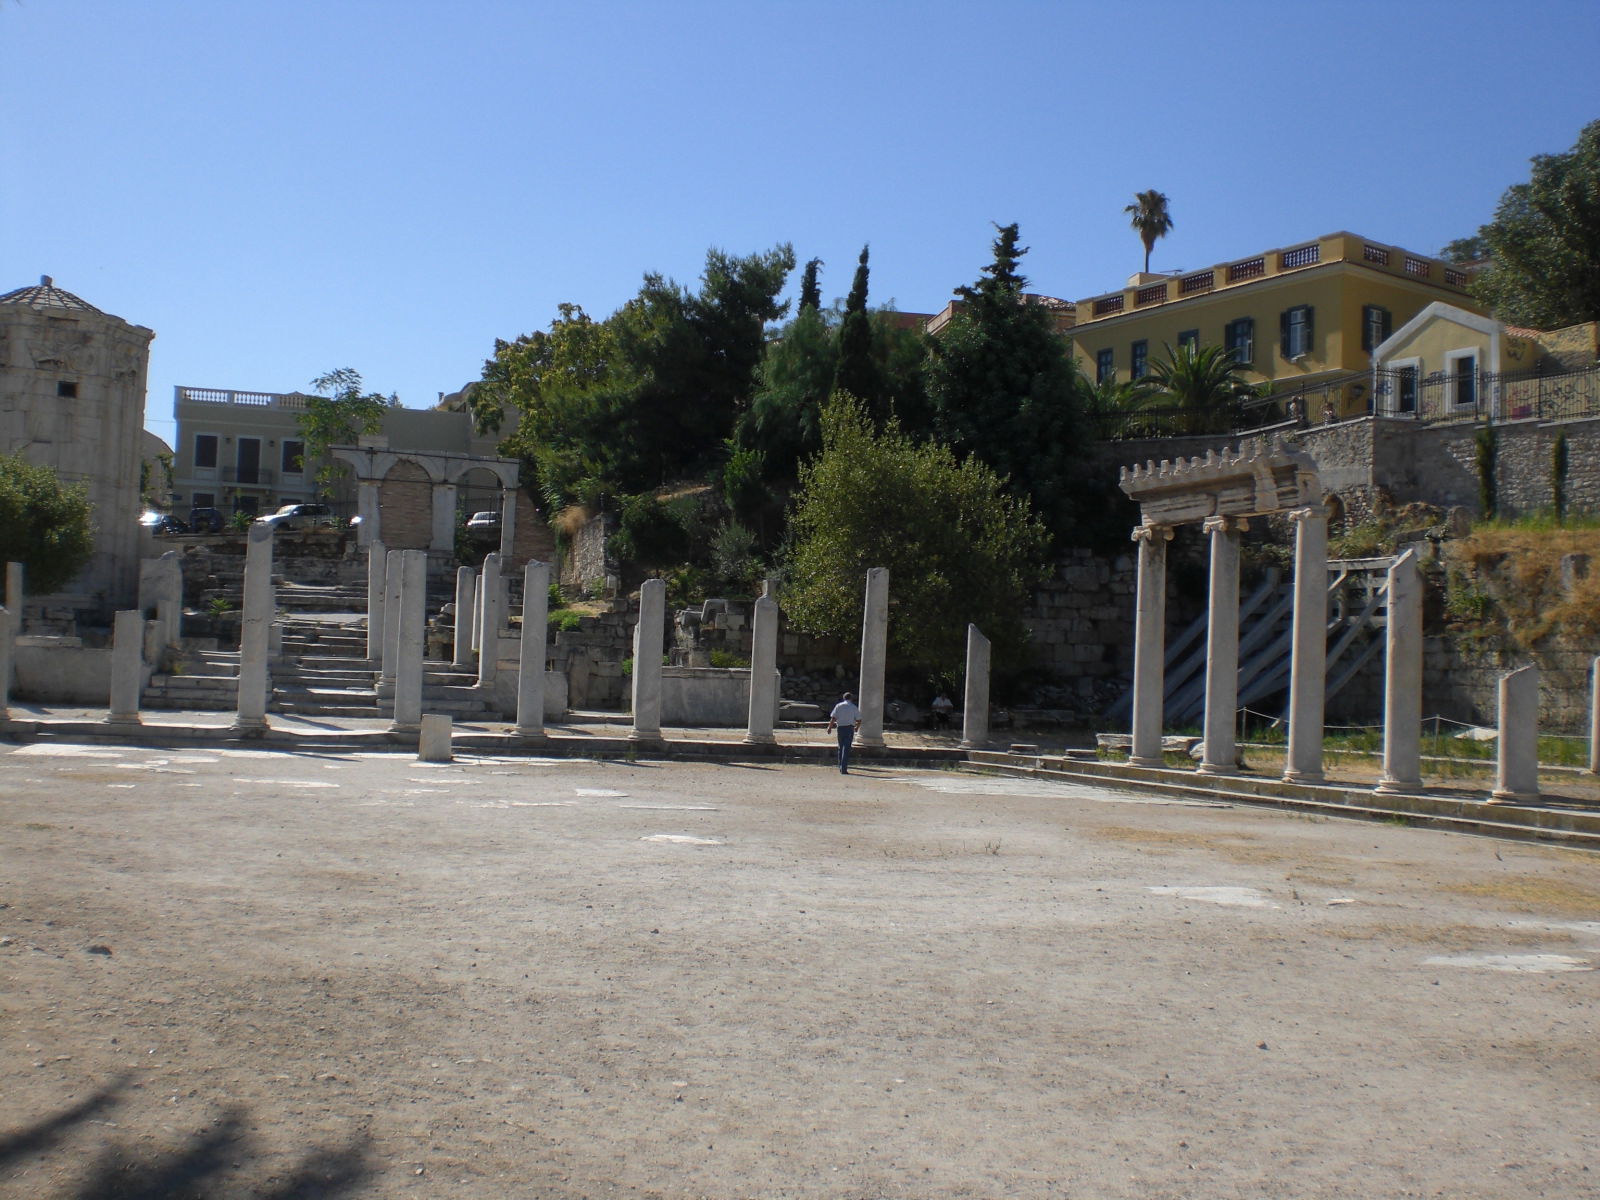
(1155,293)
(1419,267)
(1375,254)
(1109,304)
(1478,397)
(245,399)
(1300,256)
(250,476)
(1200,281)
(1251,268)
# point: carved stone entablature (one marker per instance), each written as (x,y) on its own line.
(1260,477)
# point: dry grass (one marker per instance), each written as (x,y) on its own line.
(1519,568)
(571,519)
(1240,848)
(1452,937)
(1536,893)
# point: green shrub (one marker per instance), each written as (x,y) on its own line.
(727,659)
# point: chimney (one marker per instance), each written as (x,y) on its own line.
(46,281)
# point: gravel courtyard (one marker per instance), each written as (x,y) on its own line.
(249,973)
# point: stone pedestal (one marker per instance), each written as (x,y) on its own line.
(1221,753)
(491,615)
(443,534)
(392,569)
(434,739)
(466,611)
(377,565)
(874,657)
(1594,718)
(127,667)
(648,636)
(975,719)
(763,673)
(6,626)
(410,640)
(1517,765)
(1309,664)
(255,631)
(161,594)
(1402,681)
(530,667)
(1149,645)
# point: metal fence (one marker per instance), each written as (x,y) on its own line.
(1478,397)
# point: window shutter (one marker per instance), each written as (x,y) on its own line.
(1305,347)
(1283,333)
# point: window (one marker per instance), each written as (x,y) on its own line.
(1140,359)
(294,453)
(205,450)
(1239,339)
(1376,326)
(1294,328)
(1190,339)
(66,389)
(1463,369)
(1105,366)
(204,500)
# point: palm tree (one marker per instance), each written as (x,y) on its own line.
(1151,219)
(1205,382)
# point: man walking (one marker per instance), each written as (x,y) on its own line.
(846,718)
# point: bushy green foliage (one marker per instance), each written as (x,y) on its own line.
(958,548)
(337,415)
(650,533)
(1205,382)
(44,524)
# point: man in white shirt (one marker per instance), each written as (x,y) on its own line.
(846,718)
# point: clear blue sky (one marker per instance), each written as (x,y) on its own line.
(281,188)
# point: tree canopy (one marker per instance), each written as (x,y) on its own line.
(959,548)
(44,524)
(1150,219)
(337,415)
(1541,253)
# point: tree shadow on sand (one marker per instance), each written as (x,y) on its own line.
(198,1168)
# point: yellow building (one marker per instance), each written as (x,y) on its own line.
(1304,319)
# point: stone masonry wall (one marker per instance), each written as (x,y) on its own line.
(1461,683)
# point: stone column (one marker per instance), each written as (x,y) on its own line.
(530,668)
(255,631)
(975,709)
(477,614)
(6,625)
(161,594)
(410,639)
(1308,667)
(508,521)
(763,673)
(377,565)
(127,667)
(1149,644)
(491,615)
(466,610)
(1222,648)
(433,742)
(1402,681)
(874,657)
(1594,719)
(392,567)
(14,596)
(1517,765)
(367,509)
(648,636)
(444,517)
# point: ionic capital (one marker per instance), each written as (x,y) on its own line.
(1152,533)
(1225,525)
(1313,513)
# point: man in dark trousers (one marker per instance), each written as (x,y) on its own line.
(846,718)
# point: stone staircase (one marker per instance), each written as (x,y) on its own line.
(201,680)
(322,670)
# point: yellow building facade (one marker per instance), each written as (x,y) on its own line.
(1303,319)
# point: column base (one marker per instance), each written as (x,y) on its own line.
(862,743)
(760,739)
(966,745)
(1398,787)
(124,720)
(1513,798)
(1218,769)
(1149,764)
(406,727)
(1293,776)
(646,737)
(532,737)
(250,727)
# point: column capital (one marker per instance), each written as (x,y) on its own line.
(1309,513)
(1149,531)
(1225,525)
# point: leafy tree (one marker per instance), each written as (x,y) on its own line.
(1149,217)
(1002,385)
(1543,246)
(810,288)
(857,369)
(337,415)
(44,524)
(959,549)
(783,423)
(1205,382)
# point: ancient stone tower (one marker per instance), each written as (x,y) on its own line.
(72,385)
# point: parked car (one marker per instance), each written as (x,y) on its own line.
(300,516)
(160,522)
(207,520)
(483,525)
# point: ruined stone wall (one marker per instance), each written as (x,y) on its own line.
(584,561)
(1461,682)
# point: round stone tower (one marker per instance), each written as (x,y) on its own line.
(72,385)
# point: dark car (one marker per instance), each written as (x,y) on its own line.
(207,520)
(483,526)
(160,522)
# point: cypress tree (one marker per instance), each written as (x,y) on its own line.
(857,372)
(810,288)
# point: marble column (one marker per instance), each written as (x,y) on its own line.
(377,566)
(508,521)
(1221,751)
(477,614)
(14,596)
(1594,718)
(161,595)
(444,517)
(392,569)
(466,610)
(648,637)
(975,709)
(1517,756)
(1308,668)
(1149,644)
(530,667)
(6,625)
(763,674)
(255,631)
(367,508)
(127,667)
(1402,681)
(410,640)
(491,615)
(874,657)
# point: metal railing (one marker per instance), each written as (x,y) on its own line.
(1478,397)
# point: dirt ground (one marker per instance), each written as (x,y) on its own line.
(232,974)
